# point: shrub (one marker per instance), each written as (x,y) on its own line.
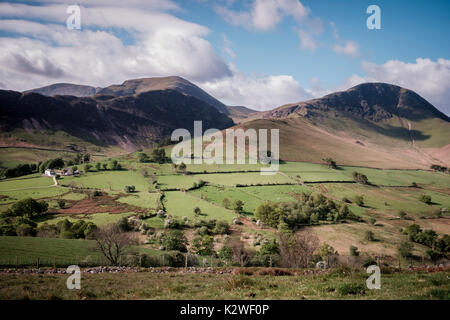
(222,227)
(425,199)
(130,189)
(372,221)
(359,200)
(27,208)
(174,240)
(360,178)
(354,251)
(61,203)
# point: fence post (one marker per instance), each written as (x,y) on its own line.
(186,260)
(38,262)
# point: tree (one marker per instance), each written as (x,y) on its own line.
(203,246)
(297,249)
(330,163)
(115,165)
(197,211)
(158,155)
(105,166)
(222,227)
(174,240)
(86,158)
(425,199)
(113,243)
(143,157)
(369,235)
(226,203)
(225,253)
(87,167)
(404,249)
(268,213)
(360,178)
(98,166)
(240,254)
(325,250)
(238,206)
(359,200)
(61,203)
(130,189)
(27,208)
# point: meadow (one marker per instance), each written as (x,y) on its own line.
(340,284)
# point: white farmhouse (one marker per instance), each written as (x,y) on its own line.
(50,173)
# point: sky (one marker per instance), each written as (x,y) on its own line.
(255,53)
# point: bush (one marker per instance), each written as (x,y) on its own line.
(130,189)
(360,178)
(61,203)
(425,199)
(354,251)
(222,227)
(174,240)
(359,200)
(369,262)
(27,208)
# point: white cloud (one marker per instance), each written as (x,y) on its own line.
(430,79)
(350,48)
(257,92)
(346,47)
(307,41)
(265,15)
(47,52)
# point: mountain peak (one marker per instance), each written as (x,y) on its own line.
(374,101)
(141,85)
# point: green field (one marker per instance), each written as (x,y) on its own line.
(109,181)
(248,178)
(182,204)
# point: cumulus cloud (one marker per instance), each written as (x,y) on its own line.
(345,47)
(430,79)
(257,92)
(265,15)
(40,50)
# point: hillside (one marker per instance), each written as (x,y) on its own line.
(372,124)
(127,122)
(137,86)
(240,114)
(65,89)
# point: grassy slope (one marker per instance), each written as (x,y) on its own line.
(174,286)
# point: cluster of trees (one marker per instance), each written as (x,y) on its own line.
(439,247)
(68,230)
(157,155)
(311,209)
(18,220)
(18,171)
(79,159)
(57,163)
(439,168)
(237,206)
(360,178)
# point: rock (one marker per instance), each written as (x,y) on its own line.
(321,265)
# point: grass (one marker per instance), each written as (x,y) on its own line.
(99,219)
(50,251)
(182,204)
(109,181)
(248,178)
(141,199)
(179,286)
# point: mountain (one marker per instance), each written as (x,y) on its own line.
(65,89)
(125,121)
(372,124)
(136,86)
(240,114)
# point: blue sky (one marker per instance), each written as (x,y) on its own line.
(258,53)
